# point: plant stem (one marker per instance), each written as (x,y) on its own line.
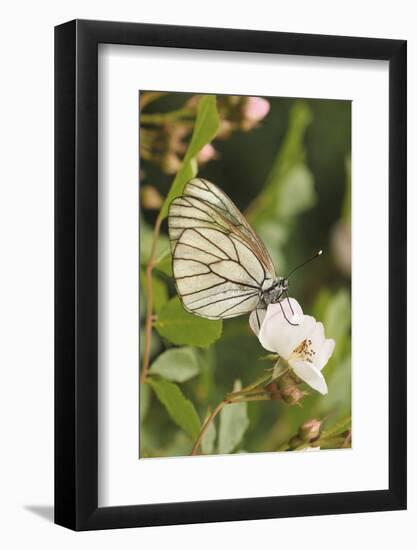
(261,380)
(149,302)
(264,396)
(230,399)
(206,426)
(163,118)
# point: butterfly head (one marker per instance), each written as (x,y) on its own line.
(274,291)
(282,284)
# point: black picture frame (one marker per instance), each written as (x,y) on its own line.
(76,272)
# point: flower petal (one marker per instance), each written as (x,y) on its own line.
(324,353)
(278,335)
(310,375)
(317,337)
(256,318)
(290,309)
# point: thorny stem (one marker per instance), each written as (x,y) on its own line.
(149,303)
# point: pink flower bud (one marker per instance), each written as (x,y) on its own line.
(289,390)
(310,430)
(256,108)
(208,152)
(225,129)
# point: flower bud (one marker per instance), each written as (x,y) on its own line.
(192,103)
(293,396)
(289,389)
(150,198)
(170,163)
(208,152)
(310,430)
(254,110)
(274,391)
(174,136)
(225,129)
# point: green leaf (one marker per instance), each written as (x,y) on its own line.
(209,438)
(184,329)
(159,291)
(337,315)
(334,310)
(233,424)
(333,443)
(164,263)
(155,343)
(146,238)
(274,235)
(205,129)
(179,408)
(321,303)
(178,364)
(339,428)
(289,188)
(296,193)
(338,374)
(347,203)
(144,401)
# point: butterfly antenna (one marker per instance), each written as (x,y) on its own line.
(319,253)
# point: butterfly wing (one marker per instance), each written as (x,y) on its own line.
(219,263)
(214,207)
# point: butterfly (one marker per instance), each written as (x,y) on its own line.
(220,265)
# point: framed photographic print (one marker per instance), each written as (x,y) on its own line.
(230,275)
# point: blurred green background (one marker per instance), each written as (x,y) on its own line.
(291,175)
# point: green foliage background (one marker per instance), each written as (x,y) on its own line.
(291,176)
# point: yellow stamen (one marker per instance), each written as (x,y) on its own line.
(304,352)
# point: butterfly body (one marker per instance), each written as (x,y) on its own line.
(221,267)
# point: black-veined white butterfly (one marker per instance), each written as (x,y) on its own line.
(221,267)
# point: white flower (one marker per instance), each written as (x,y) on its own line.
(297,338)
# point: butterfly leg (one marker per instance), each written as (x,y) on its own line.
(258,320)
(285,316)
(289,303)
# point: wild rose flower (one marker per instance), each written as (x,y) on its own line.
(297,338)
